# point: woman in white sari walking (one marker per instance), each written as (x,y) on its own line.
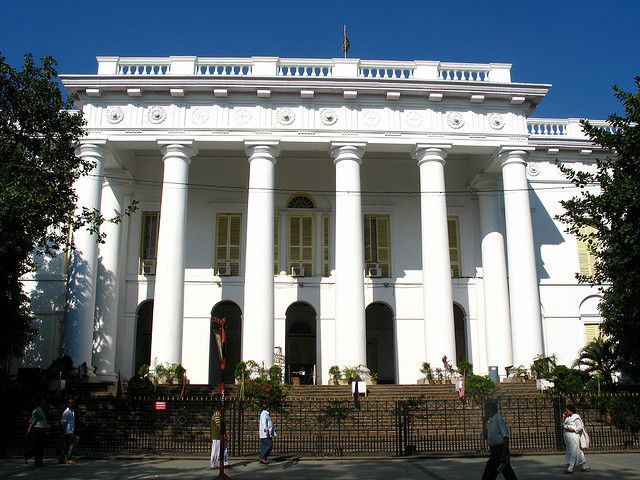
(575,438)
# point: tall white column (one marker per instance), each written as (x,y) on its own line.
(526,325)
(494,268)
(80,302)
(168,303)
(108,285)
(439,329)
(351,328)
(257,328)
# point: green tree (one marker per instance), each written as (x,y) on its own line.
(38,168)
(599,359)
(609,203)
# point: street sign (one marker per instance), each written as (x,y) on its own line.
(160,406)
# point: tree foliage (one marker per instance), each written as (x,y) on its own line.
(609,202)
(38,167)
(598,358)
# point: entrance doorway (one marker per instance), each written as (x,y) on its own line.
(144,329)
(461,334)
(381,349)
(232,312)
(300,344)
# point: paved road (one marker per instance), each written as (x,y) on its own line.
(623,466)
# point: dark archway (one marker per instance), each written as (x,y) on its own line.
(144,329)
(232,312)
(300,343)
(461,334)
(381,345)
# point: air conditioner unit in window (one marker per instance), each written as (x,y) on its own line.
(224,270)
(374,272)
(148,268)
(297,271)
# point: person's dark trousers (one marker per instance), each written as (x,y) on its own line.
(266,444)
(68,446)
(36,449)
(496,456)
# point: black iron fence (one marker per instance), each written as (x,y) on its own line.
(331,428)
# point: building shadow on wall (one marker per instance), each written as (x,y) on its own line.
(545,232)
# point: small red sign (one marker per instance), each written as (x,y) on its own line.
(161,405)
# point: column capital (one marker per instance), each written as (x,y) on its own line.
(425,152)
(268,149)
(91,148)
(178,148)
(514,154)
(347,151)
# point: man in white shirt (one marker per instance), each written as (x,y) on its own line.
(267,431)
(498,440)
(68,435)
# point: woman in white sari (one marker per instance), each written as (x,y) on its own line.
(575,437)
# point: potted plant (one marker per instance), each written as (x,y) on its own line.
(350,374)
(439,375)
(517,375)
(427,373)
(465,368)
(335,374)
(180,373)
(541,369)
(374,378)
(447,369)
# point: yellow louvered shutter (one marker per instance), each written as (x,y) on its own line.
(228,242)
(384,257)
(591,332)
(325,245)
(276,245)
(301,243)
(586,256)
(453,227)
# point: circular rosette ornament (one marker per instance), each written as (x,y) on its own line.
(533,170)
(496,121)
(285,116)
(414,119)
(199,116)
(455,120)
(242,115)
(114,114)
(156,114)
(328,116)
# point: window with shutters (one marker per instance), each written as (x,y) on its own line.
(228,227)
(377,243)
(149,242)
(453,226)
(301,247)
(591,332)
(325,246)
(586,252)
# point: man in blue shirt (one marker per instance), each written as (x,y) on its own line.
(68,435)
(267,431)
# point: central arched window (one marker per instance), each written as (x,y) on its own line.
(301,201)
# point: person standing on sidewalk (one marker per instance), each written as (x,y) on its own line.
(68,433)
(267,431)
(497,435)
(35,432)
(217,432)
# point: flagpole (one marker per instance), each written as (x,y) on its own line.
(344,36)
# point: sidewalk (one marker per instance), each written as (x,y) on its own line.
(623,466)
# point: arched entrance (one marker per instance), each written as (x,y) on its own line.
(300,343)
(144,329)
(381,348)
(232,312)
(461,334)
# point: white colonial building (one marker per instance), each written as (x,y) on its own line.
(338,211)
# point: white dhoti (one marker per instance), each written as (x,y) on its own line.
(215,454)
(574,456)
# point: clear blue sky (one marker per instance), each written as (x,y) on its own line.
(582,47)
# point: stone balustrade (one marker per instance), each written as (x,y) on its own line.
(563,127)
(325,68)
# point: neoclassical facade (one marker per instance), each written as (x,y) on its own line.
(335,211)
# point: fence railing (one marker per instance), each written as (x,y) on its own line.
(329,428)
